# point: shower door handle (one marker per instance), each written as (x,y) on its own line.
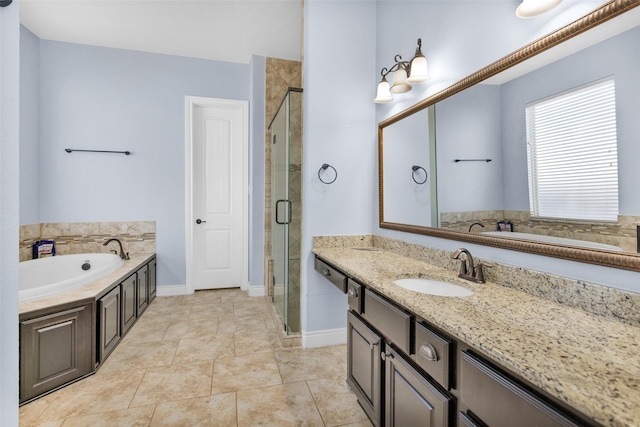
(288,219)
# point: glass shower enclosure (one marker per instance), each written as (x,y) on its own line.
(286,162)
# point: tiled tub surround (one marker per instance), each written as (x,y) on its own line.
(137,237)
(590,362)
(623,233)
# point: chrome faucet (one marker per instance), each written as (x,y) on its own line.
(468,270)
(124,255)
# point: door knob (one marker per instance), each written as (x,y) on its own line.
(199,221)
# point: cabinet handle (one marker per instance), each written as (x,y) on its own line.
(353,293)
(326,272)
(428,352)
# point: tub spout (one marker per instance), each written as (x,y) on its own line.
(124,255)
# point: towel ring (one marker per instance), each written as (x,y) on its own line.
(324,167)
(415,169)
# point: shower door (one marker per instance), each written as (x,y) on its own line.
(280,211)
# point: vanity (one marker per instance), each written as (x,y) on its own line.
(499,357)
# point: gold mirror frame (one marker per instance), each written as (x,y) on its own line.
(624,260)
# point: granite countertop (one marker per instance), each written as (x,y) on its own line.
(589,362)
(90,291)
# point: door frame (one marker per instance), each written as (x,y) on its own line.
(191,102)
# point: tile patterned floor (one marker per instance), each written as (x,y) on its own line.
(209,359)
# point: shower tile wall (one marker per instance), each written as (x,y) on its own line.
(87,237)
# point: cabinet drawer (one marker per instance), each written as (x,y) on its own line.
(355,293)
(336,277)
(432,353)
(392,322)
(499,401)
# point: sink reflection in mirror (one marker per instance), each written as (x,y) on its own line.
(433,287)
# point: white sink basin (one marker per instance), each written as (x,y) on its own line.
(433,287)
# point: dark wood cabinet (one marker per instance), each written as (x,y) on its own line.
(411,399)
(55,349)
(152,279)
(364,366)
(142,294)
(490,397)
(129,302)
(109,323)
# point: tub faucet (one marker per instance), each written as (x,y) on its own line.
(476,223)
(468,270)
(124,255)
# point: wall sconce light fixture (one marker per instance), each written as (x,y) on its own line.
(531,8)
(405,73)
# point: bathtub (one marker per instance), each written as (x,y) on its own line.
(552,239)
(45,277)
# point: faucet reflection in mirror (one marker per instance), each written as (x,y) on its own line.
(405,73)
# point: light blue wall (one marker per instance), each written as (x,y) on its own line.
(110,99)
(339,129)
(468,127)
(9,215)
(29,127)
(458,39)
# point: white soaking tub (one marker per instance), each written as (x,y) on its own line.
(45,277)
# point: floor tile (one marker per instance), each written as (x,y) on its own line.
(266,341)
(204,348)
(207,359)
(135,417)
(244,372)
(94,394)
(299,364)
(335,401)
(281,405)
(191,328)
(209,411)
(139,354)
(201,311)
(231,324)
(165,384)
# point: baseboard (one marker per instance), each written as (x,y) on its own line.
(256,291)
(324,338)
(172,290)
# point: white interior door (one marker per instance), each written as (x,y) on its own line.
(219,193)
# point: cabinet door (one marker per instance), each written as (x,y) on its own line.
(55,349)
(499,401)
(411,400)
(128,288)
(152,279)
(364,373)
(143,285)
(109,323)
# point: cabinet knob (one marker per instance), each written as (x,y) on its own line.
(326,272)
(428,352)
(199,221)
(352,293)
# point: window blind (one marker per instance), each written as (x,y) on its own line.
(572,154)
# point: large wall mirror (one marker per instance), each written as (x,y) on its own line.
(472,144)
